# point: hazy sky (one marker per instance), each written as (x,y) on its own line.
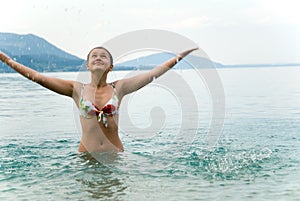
(229,31)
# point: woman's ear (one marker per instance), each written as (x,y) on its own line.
(111,67)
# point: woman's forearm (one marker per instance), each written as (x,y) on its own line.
(164,67)
(23,70)
(60,86)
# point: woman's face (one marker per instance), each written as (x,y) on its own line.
(99,59)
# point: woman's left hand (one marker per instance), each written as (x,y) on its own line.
(186,52)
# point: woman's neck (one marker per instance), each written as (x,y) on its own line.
(98,79)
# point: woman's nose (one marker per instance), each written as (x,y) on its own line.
(98,58)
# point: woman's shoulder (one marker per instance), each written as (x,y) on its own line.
(77,88)
(114,83)
(117,85)
(79,84)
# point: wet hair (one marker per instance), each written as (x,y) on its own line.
(110,56)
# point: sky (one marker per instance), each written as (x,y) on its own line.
(229,31)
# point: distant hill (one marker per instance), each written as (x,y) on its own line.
(148,62)
(36,53)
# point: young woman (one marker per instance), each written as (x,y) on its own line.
(98,101)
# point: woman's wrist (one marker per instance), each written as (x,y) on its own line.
(178,58)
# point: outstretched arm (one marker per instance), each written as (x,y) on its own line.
(134,83)
(64,87)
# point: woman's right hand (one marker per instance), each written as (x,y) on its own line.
(3,57)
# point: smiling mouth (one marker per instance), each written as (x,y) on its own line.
(98,62)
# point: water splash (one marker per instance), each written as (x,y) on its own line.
(223,163)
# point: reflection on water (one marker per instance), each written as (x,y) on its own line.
(99,179)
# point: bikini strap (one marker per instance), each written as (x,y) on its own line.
(82,88)
(115,90)
(113,85)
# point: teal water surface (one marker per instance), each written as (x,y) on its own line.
(256,158)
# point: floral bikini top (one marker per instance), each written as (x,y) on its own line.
(88,109)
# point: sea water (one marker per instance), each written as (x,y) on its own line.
(256,157)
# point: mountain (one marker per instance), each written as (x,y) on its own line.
(36,53)
(148,62)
